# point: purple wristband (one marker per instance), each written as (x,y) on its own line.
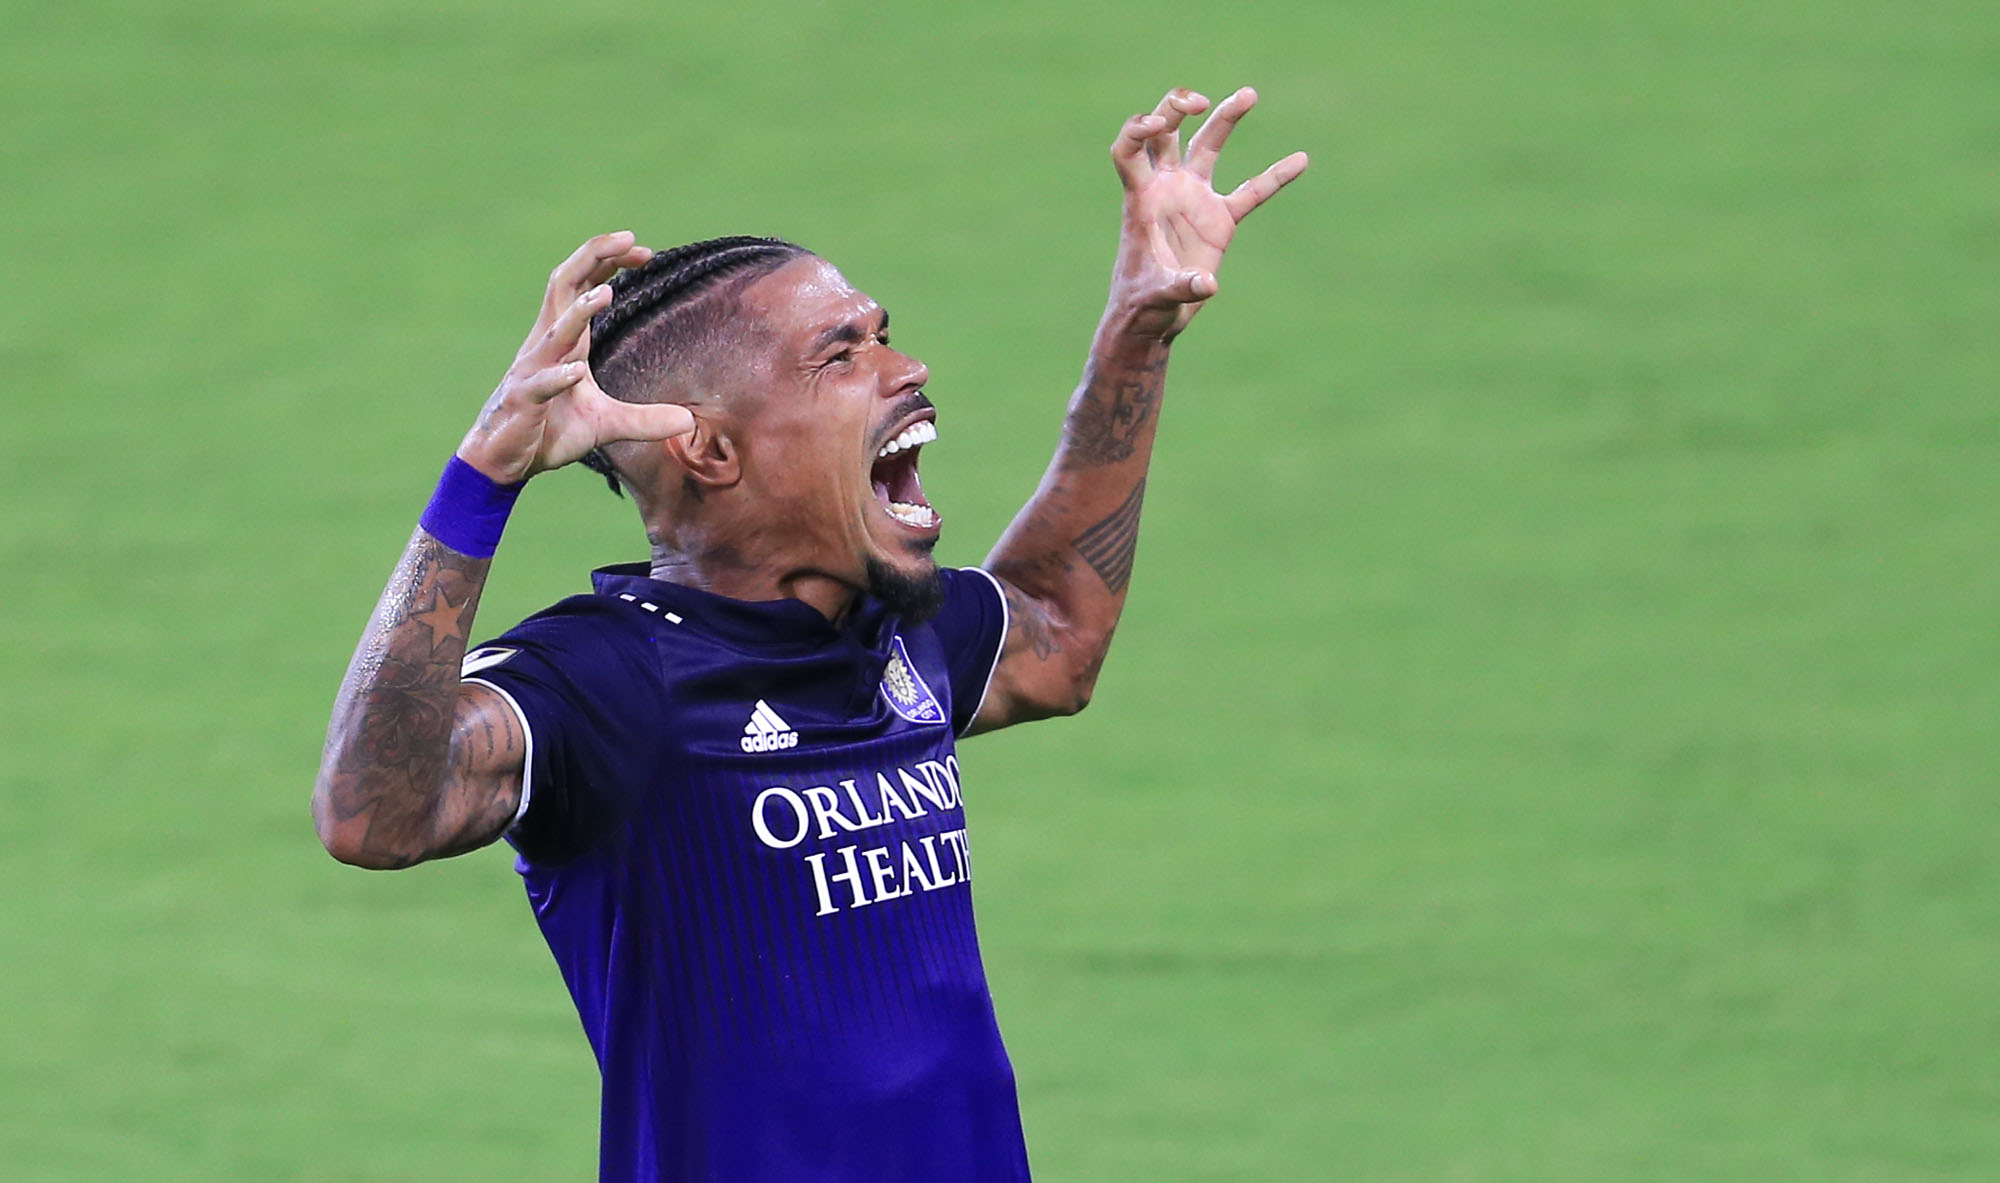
(469,510)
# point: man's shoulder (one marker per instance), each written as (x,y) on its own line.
(586,616)
(576,636)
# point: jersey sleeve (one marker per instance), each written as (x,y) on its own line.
(971,627)
(584,678)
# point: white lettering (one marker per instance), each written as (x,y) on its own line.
(764,832)
(913,873)
(853,795)
(943,781)
(826,805)
(891,799)
(823,882)
(956,840)
(937,872)
(883,873)
(926,788)
(855,876)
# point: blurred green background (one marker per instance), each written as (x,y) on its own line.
(1552,736)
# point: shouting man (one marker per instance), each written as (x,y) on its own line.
(729,772)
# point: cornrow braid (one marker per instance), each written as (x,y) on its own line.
(645,300)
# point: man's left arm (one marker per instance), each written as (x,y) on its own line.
(1066,561)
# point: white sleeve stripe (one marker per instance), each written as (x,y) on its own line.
(999,646)
(527,765)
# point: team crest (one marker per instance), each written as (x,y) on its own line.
(904,688)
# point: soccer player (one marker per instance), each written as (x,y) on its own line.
(728,773)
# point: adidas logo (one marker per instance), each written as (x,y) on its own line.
(767,732)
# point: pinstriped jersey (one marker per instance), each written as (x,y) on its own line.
(743,836)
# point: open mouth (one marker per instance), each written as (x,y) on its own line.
(894,475)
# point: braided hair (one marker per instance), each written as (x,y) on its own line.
(661,310)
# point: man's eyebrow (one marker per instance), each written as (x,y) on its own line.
(844,334)
(848,333)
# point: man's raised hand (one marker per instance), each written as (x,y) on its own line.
(1177,226)
(549,410)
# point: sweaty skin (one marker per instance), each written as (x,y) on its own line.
(766,490)
(780,466)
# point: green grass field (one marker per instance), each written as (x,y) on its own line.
(1552,737)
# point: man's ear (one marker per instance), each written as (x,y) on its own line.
(707,454)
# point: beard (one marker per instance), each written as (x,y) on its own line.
(915,598)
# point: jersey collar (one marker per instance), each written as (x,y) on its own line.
(753,622)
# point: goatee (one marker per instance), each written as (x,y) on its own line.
(915,598)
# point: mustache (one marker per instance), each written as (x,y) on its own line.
(903,410)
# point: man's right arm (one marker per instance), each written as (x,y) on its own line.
(417,764)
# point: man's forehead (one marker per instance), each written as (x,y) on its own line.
(809,296)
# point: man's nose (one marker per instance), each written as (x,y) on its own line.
(910,372)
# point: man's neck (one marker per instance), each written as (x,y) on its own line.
(724,571)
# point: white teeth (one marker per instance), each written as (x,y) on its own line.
(915,435)
(913,515)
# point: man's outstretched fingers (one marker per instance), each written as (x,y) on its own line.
(609,265)
(1164,145)
(1206,143)
(1128,151)
(562,337)
(587,266)
(545,384)
(592,258)
(1259,189)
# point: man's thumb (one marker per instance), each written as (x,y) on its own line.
(650,421)
(1191,286)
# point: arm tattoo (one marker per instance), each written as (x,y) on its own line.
(1028,628)
(1106,430)
(395,724)
(1111,544)
(1063,616)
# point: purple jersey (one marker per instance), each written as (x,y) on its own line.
(743,839)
